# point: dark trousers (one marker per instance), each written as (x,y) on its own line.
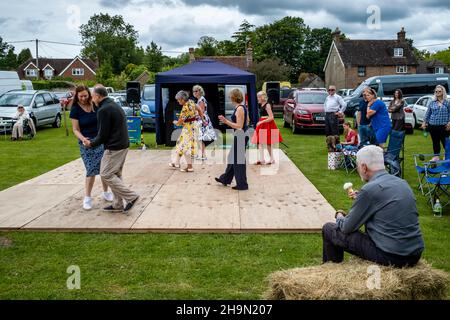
(438,135)
(331,124)
(398,124)
(335,243)
(237,167)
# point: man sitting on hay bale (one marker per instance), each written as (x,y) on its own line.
(387,207)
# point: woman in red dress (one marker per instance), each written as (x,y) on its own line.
(266,132)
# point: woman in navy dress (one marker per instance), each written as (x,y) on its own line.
(378,114)
(236,167)
(84,123)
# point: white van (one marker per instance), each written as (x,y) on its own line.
(27,85)
(9,80)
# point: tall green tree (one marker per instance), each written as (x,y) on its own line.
(315,50)
(8,59)
(207,47)
(284,39)
(110,38)
(443,55)
(24,55)
(153,58)
(243,37)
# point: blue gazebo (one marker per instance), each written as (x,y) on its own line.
(211,75)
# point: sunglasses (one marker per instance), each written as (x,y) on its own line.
(438,91)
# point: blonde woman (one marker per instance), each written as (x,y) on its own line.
(437,120)
(266,132)
(206,133)
(186,145)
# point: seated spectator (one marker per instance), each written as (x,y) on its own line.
(351,138)
(387,208)
(21,117)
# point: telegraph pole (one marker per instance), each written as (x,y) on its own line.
(37,58)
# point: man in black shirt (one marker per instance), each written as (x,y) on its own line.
(113,134)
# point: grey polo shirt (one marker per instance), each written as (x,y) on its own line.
(387,207)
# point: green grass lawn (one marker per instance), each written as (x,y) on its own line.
(171,266)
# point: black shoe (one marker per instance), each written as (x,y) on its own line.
(220,181)
(240,189)
(130,205)
(112,209)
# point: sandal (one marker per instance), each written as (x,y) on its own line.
(271,162)
(173,165)
(187,170)
(259,163)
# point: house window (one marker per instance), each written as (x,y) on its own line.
(361,71)
(398,52)
(78,72)
(48,73)
(31,73)
(401,69)
(439,70)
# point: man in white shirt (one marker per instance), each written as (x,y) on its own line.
(334,107)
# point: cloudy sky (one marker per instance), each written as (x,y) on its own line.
(177,25)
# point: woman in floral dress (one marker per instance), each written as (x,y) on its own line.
(186,145)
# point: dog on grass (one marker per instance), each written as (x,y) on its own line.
(332,143)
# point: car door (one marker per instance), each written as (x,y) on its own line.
(38,109)
(49,109)
(421,109)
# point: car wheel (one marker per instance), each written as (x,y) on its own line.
(57,122)
(295,130)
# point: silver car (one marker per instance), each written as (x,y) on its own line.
(122,102)
(42,106)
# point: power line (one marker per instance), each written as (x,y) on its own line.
(433,45)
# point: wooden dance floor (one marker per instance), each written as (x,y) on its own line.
(280,199)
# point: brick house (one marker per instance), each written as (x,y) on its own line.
(77,69)
(350,62)
(240,62)
(433,66)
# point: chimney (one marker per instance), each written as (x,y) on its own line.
(336,35)
(249,55)
(401,36)
(191,55)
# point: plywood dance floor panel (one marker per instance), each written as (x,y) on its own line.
(280,199)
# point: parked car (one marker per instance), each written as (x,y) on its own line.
(65,98)
(315,89)
(420,109)
(42,106)
(306,111)
(147,111)
(345,92)
(122,102)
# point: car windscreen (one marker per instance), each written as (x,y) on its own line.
(14,99)
(311,98)
(285,93)
(149,93)
(411,100)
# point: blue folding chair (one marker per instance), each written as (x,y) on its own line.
(438,185)
(424,165)
(394,156)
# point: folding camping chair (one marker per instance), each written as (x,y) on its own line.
(422,162)
(438,184)
(348,160)
(395,154)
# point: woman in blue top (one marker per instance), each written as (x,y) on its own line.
(437,120)
(378,114)
(84,124)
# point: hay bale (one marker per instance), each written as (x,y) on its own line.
(349,281)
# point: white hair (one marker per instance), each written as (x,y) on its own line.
(443,91)
(372,156)
(183,95)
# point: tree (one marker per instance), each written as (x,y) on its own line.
(419,54)
(226,48)
(8,59)
(207,47)
(284,39)
(272,69)
(315,51)
(104,72)
(242,37)
(109,38)
(153,58)
(444,56)
(24,56)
